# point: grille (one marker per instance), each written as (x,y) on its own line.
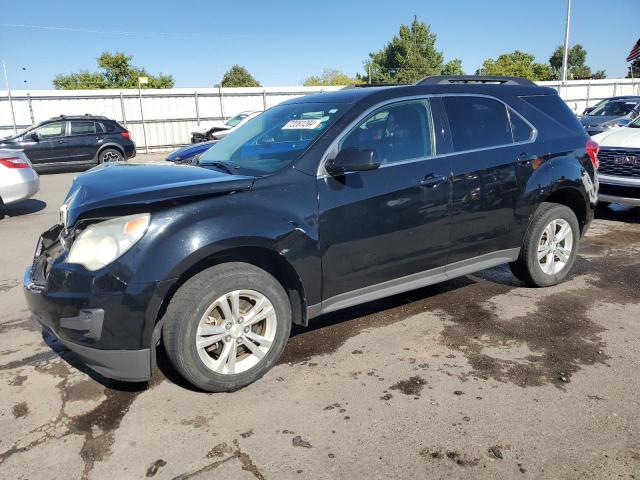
(622,162)
(620,191)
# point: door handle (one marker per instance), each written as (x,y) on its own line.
(432,181)
(60,141)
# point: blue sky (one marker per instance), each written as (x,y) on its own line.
(285,41)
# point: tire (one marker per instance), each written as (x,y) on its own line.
(200,301)
(110,155)
(552,268)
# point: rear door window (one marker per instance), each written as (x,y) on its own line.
(82,128)
(477,122)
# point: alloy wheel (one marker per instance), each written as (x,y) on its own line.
(555,246)
(236,332)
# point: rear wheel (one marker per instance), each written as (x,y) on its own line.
(227,326)
(110,155)
(550,246)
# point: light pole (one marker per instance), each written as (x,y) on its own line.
(565,56)
(6,80)
(142,80)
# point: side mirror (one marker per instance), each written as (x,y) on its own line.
(353,160)
(34,136)
(587,110)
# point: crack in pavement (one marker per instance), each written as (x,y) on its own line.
(246,461)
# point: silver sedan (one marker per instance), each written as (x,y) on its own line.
(18,180)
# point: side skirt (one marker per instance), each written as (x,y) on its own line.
(412,282)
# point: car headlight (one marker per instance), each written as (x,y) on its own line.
(101,243)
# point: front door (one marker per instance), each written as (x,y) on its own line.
(50,145)
(385,224)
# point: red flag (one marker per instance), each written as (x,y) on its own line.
(635,52)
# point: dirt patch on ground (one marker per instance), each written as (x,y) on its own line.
(411,386)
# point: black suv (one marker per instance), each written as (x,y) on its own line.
(320,203)
(73,141)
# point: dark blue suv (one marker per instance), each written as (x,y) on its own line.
(320,203)
(73,141)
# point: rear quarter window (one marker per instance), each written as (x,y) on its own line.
(556,111)
(111,127)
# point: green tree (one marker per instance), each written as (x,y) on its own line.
(331,76)
(515,64)
(408,57)
(576,64)
(453,67)
(116,72)
(238,76)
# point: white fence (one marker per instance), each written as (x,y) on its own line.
(170,115)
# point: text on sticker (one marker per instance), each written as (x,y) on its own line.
(302,124)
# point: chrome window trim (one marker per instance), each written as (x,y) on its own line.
(322,173)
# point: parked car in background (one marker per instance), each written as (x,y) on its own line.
(214,130)
(73,141)
(18,180)
(620,165)
(190,152)
(321,203)
(610,113)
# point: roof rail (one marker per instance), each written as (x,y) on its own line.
(370,85)
(453,79)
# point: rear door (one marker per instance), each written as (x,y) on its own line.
(386,224)
(50,146)
(83,140)
(491,162)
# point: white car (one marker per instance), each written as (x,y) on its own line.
(18,179)
(619,171)
(212,130)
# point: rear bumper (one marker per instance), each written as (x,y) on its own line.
(18,185)
(623,190)
(131,151)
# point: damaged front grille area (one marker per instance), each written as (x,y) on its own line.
(50,246)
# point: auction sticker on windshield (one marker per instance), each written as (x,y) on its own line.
(302,124)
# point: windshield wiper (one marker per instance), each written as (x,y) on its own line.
(221,165)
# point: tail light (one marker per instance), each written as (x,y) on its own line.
(592,150)
(125,134)
(13,162)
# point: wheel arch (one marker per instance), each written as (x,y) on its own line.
(262,257)
(573,199)
(113,146)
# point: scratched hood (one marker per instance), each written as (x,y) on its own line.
(137,184)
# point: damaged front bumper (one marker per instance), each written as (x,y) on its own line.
(106,321)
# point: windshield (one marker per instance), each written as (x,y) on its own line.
(233,121)
(614,108)
(20,133)
(274,138)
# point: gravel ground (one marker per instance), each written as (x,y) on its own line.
(477,377)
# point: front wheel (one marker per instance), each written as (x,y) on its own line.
(549,248)
(227,326)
